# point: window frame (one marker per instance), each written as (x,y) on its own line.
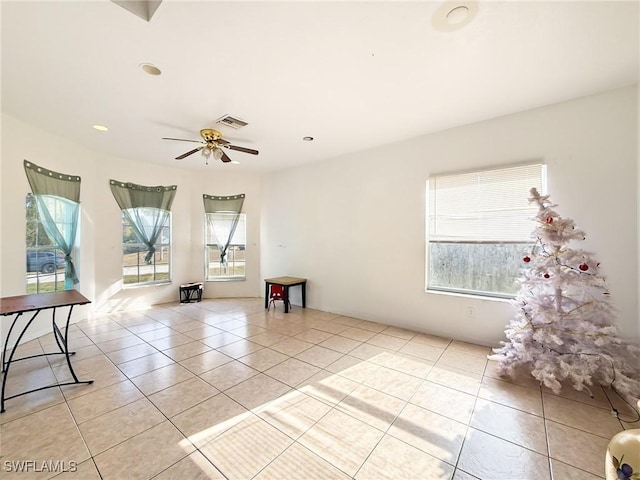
(36,275)
(521,245)
(210,246)
(142,249)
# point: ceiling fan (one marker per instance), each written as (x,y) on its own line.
(212,144)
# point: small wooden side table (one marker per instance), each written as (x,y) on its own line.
(285,282)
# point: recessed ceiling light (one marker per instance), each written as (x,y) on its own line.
(150,69)
(101,128)
(458,15)
(307,139)
(454,14)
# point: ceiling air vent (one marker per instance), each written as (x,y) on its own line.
(232,122)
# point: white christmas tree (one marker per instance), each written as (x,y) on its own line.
(563,331)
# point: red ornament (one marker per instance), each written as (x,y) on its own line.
(549,219)
(584,267)
(526,259)
(546,275)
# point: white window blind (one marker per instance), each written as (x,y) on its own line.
(487,206)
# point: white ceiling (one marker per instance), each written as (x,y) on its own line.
(351,74)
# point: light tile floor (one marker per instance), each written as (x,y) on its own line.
(224,389)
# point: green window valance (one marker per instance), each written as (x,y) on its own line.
(48,182)
(129,195)
(220,204)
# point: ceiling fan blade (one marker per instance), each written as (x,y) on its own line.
(222,141)
(190,152)
(225,158)
(182,139)
(241,149)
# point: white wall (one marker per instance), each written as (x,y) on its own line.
(355,225)
(99,255)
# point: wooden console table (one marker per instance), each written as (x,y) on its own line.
(285,282)
(36,303)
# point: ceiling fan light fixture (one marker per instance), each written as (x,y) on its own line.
(211,143)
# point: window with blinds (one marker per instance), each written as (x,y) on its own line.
(479,225)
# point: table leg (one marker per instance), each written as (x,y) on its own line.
(13,351)
(304,294)
(57,334)
(266,295)
(66,345)
(4,349)
(63,344)
(286,298)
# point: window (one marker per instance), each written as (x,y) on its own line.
(146,231)
(45,262)
(53,211)
(479,226)
(234,265)
(140,265)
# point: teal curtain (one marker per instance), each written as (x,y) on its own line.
(57,197)
(146,208)
(223,227)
